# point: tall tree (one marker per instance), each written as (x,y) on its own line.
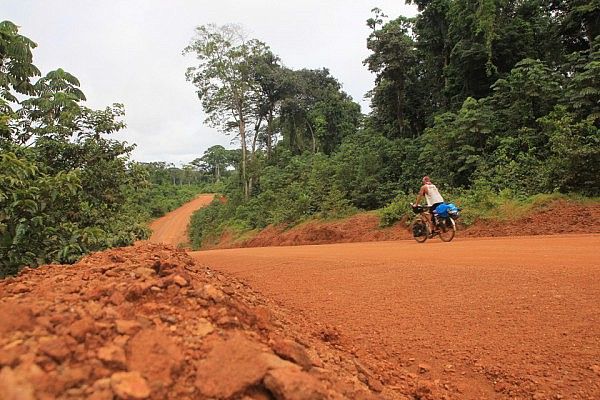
(394,60)
(214,160)
(226,85)
(316,115)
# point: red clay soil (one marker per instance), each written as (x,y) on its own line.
(498,318)
(172,228)
(149,322)
(558,217)
(357,228)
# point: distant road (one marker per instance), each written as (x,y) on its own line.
(172,228)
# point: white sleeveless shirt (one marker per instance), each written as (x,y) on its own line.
(433,195)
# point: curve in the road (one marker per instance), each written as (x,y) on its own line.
(172,227)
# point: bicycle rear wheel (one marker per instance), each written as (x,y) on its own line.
(446,229)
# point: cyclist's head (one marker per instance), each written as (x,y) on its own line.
(426,179)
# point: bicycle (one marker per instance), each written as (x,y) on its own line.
(445,227)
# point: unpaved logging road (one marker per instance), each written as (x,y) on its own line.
(172,228)
(488,318)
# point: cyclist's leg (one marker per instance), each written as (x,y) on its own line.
(432,214)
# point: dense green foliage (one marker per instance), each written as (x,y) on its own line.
(66,188)
(491,98)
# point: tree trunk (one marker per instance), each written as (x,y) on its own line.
(400,108)
(314,139)
(242,128)
(269,134)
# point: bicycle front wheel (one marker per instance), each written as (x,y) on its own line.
(419,230)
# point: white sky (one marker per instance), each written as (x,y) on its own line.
(130,52)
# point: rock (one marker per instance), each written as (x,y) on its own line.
(233,365)
(203,328)
(129,385)
(74,376)
(367,377)
(155,355)
(121,340)
(596,369)
(424,389)
(94,309)
(144,272)
(170,319)
(55,348)
(9,355)
(293,384)
(15,387)
(209,292)
(116,258)
(20,288)
(80,328)
(15,317)
(30,372)
(137,291)
(315,360)
(293,351)
(102,384)
(101,395)
(125,327)
(263,317)
(228,321)
(423,368)
(180,280)
(113,356)
(117,298)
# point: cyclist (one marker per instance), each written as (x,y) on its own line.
(433,198)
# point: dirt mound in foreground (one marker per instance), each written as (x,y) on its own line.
(559,217)
(149,322)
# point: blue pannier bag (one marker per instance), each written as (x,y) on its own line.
(446,210)
(442,210)
(453,211)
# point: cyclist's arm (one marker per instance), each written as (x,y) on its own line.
(421,194)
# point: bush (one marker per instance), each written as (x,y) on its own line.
(208,222)
(397,210)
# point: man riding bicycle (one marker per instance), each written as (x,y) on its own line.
(433,198)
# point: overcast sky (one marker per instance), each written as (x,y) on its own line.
(129,51)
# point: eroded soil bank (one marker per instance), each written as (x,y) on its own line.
(559,217)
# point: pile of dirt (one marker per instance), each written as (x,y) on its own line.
(149,322)
(559,217)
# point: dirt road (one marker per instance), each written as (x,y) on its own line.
(171,228)
(515,317)
(489,318)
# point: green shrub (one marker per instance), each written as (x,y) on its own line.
(397,210)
